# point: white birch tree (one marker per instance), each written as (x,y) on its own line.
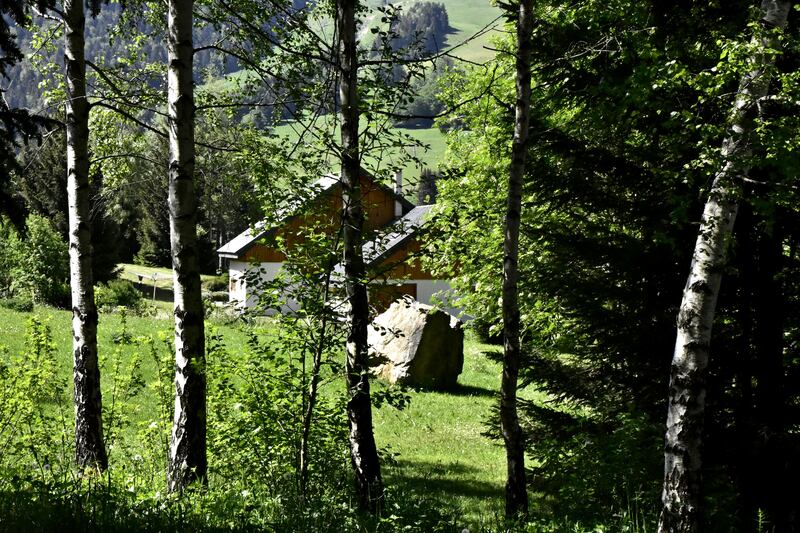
(363,451)
(89,447)
(187,456)
(681,495)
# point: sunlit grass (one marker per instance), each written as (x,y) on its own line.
(434,448)
(163,278)
(438,443)
(428,154)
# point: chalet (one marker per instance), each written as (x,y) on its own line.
(391,254)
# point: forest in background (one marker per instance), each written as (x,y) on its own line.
(139,231)
(632,110)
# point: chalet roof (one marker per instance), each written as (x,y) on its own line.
(242,242)
(400,232)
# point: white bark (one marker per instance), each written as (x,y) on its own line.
(89,447)
(681,494)
(188,461)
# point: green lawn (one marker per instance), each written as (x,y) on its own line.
(13,329)
(164,275)
(436,443)
(439,445)
(163,282)
(430,153)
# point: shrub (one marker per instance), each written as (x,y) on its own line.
(219,296)
(117,292)
(217,284)
(486,331)
(9,249)
(41,264)
(17,303)
(34,403)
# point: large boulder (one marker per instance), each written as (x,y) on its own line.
(416,344)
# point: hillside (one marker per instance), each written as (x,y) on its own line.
(102,46)
(466,18)
(417,442)
(431,138)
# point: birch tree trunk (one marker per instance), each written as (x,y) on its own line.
(187,457)
(516,487)
(363,452)
(681,498)
(90,450)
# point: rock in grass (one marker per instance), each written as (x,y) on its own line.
(417,345)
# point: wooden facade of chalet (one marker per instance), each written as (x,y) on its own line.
(391,251)
(323,213)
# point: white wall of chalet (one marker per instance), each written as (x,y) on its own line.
(432,292)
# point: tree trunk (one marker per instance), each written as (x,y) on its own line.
(313,388)
(682,461)
(187,458)
(90,451)
(308,412)
(516,489)
(363,452)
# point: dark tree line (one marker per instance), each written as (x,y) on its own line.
(130,222)
(108,37)
(629,126)
(17,125)
(422,24)
(40,186)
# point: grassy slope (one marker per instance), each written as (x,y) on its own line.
(12,337)
(163,281)
(466,18)
(431,138)
(439,445)
(440,452)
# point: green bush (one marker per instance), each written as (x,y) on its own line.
(217,284)
(486,331)
(17,303)
(41,264)
(117,292)
(219,296)
(9,250)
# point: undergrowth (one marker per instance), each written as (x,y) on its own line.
(255,405)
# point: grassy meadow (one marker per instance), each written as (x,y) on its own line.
(131,272)
(468,17)
(430,154)
(433,449)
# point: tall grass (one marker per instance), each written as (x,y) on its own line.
(442,473)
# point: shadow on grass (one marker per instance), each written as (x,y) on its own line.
(441,479)
(95,513)
(162,294)
(201,512)
(471,390)
(461,390)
